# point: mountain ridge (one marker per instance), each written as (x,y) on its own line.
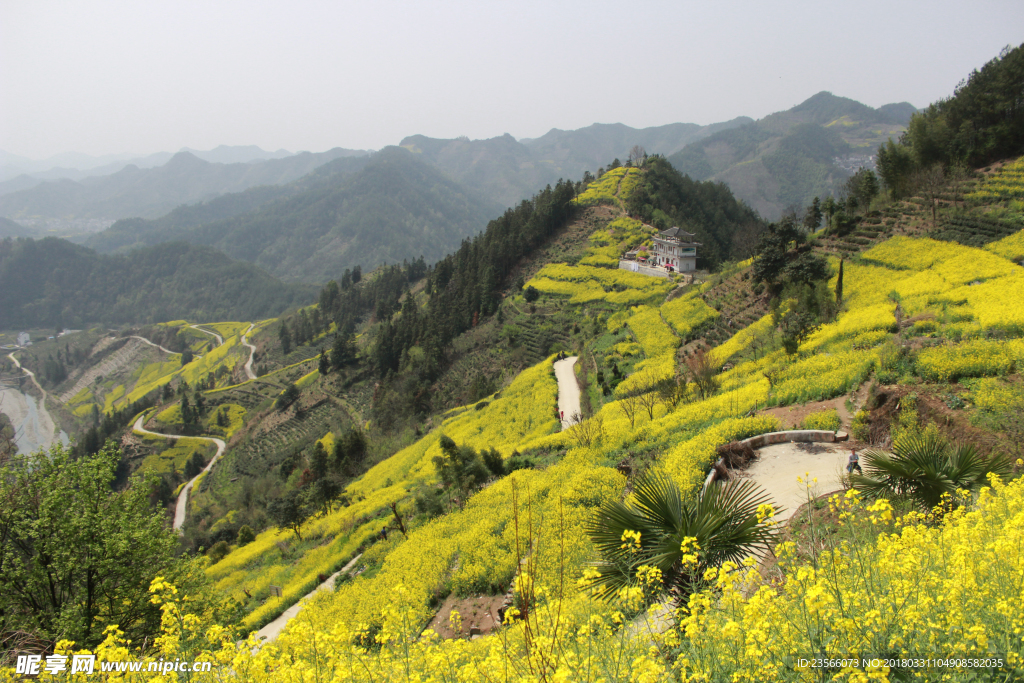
(788,157)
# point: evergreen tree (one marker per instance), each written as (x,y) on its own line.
(286,339)
(318,461)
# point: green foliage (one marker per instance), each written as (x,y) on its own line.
(349,452)
(707,209)
(983,121)
(245,535)
(461,469)
(926,469)
(78,556)
(288,396)
(289,511)
(681,537)
(777,264)
(973,230)
(218,551)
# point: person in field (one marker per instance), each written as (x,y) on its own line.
(853,463)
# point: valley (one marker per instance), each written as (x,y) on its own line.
(370,426)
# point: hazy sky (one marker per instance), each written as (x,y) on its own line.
(108,77)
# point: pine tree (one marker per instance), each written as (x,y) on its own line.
(839,285)
(286,339)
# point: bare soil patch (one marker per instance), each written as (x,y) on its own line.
(479,616)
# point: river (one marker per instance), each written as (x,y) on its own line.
(34,428)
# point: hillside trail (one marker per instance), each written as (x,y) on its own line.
(252,352)
(182,504)
(274,628)
(568,391)
(165,350)
(220,339)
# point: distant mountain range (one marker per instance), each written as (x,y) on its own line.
(307,217)
(389,207)
(153,192)
(788,158)
(75,166)
(508,171)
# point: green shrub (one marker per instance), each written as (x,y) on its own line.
(218,551)
(245,535)
(861,427)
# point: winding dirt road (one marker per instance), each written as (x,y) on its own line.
(135,336)
(252,352)
(220,339)
(182,505)
(568,390)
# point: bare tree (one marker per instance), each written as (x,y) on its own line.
(958,175)
(586,430)
(703,373)
(930,182)
(629,404)
(745,240)
(672,390)
(637,156)
(647,394)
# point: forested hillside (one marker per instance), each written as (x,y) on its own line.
(52,282)
(9,228)
(786,159)
(139,232)
(395,208)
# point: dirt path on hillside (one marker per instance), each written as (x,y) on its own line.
(135,336)
(220,339)
(568,390)
(274,628)
(252,352)
(182,505)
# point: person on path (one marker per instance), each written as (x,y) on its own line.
(561,415)
(853,463)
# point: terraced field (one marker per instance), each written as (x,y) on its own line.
(115,362)
(265,445)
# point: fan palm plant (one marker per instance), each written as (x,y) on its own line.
(681,537)
(924,467)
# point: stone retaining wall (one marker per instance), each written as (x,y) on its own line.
(795,435)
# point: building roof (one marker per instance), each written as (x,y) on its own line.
(676,234)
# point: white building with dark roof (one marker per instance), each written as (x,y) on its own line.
(675,248)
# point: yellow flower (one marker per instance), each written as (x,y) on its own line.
(630,541)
